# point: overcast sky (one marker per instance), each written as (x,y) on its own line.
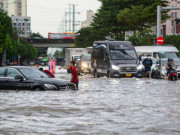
(46,15)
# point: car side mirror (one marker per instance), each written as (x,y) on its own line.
(18,77)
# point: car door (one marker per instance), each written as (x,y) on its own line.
(15,84)
(3,79)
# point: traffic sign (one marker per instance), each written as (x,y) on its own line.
(160,40)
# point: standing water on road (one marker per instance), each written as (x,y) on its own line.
(101,106)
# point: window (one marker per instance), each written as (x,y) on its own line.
(12,73)
(172,14)
(33,73)
(175,14)
(2,70)
(172,23)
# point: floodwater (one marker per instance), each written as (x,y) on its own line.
(101,106)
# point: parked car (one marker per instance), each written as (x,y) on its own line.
(29,78)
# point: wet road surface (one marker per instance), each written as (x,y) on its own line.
(101,106)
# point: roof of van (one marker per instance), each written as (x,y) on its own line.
(149,49)
(109,41)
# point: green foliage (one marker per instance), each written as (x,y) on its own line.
(173,40)
(142,38)
(139,17)
(87,36)
(9,40)
(36,35)
(5,26)
(58,54)
(117,16)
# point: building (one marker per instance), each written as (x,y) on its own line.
(3,5)
(89,19)
(17,7)
(172,25)
(22,25)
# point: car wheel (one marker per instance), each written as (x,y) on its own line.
(37,89)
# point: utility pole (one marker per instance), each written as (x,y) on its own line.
(66,22)
(69,17)
(74,20)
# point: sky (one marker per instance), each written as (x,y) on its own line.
(47,15)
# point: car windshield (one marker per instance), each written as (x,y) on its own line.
(86,57)
(176,62)
(122,54)
(33,73)
(169,55)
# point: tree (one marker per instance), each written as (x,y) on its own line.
(173,40)
(36,35)
(140,17)
(86,37)
(142,38)
(5,26)
(58,54)
(108,21)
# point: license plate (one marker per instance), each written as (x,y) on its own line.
(128,75)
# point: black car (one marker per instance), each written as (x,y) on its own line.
(29,78)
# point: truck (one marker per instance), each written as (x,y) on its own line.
(73,54)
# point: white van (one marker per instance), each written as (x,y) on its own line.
(160,55)
(158,52)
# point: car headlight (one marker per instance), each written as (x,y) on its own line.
(140,67)
(115,67)
(84,65)
(50,86)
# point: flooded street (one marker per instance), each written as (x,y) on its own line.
(101,106)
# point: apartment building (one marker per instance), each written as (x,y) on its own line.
(89,19)
(172,25)
(17,7)
(3,5)
(22,25)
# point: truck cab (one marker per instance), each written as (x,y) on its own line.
(115,59)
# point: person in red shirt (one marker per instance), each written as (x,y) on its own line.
(74,73)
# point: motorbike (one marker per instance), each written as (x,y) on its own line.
(173,75)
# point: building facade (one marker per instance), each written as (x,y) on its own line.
(172,25)
(17,7)
(4,5)
(22,25)
(89,19)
